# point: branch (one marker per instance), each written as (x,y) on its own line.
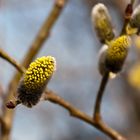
(97,108)
(74,112)
(41,37)
(5,56)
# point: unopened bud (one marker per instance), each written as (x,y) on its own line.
(102,22)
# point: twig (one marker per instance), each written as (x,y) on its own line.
(34,49)
(97,108)
(5,56)
(54,98)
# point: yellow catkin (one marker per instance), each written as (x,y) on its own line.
(35,79)
(39,71)
(117,52)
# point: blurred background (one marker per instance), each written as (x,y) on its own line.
(75,46)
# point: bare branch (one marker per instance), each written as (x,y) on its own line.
(74,112)
(41,37)
(100,125)
(5,56)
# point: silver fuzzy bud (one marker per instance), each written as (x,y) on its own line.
(102,22)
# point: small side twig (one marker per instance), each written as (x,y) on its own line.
(5,56)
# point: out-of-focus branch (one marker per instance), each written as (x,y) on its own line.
(5,56)
(100,125)
(97,108)
(41,37)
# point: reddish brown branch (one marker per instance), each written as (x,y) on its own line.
(75,112)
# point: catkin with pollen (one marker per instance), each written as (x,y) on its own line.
(117,53)
(35,79)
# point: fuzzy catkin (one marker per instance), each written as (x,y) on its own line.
(117,53)
(35,79)
(102,22)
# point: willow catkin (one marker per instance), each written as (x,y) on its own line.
(116,53)
(102,22)
(35,79)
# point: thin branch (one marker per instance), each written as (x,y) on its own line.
(41,37)
(75,112)
(97,108)
(51,96)
(5,56)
